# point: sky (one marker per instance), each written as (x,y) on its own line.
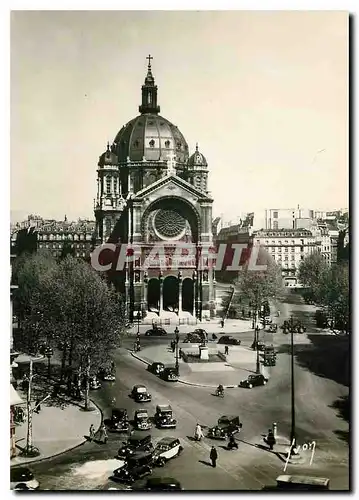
(265,95)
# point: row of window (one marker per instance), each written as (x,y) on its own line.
(77,254)
(280,242)
(64,236)
(59,245)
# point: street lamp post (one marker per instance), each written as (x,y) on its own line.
(292,432)
(138,321)
(258,370)
(177,342)
(48,354)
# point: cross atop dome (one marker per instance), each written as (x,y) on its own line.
(149,57)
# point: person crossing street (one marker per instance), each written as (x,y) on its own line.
(213,456)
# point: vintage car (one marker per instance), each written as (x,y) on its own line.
(169,374)
(226,426)
(136,442)
(156,331)
(193,338)
(136,467)
(269,359)
(159,484)
(164,417)
(94,383)
(156,368)
(273,328)
(142,420)
(261,346)
(140,394)
(229,340)
(166,448)
(119,421)
(254,381)
(23,477)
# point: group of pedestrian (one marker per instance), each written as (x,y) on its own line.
(102,437)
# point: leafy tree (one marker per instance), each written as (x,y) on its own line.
(311,269)
(26,241)
(89,314)
(30,272)
(333,295)
(257,287)
(67,249)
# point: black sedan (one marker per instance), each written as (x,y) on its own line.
(254,381)
(158,331)
(229,340)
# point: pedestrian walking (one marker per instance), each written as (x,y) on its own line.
(91,432)
(103,437)
(173,345)
(198,434)
(222,323)
(37,406)
(270,439)
(213,456)
(226,350)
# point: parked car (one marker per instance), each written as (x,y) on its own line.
(136,467)
(156,368)
(193,338)
(202,333)
(156,331)
(106,375)
(164,417)
(136,442)
(227,425)
(169,374)
(119,421)
(261,346)
(166,448)
(24,477)
(160,484)
(140,394)
(229,340)
(94,383)
(142,420)
(253,381)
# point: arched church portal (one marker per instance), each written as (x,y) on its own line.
(170,293)
(187,295)
(153,294)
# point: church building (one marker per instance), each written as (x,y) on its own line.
(151,191)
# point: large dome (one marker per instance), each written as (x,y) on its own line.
(152,137)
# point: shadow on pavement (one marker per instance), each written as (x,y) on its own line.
(327,356)
(204,462)
(342,405)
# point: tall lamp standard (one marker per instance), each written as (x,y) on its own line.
(48,353)
(258,369)
(177,342)
(139,313)
(292,432)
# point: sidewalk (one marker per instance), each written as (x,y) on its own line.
(55,429)
(240,363)
(231,327)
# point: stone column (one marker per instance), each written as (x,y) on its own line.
(194,293)
(179,293)
(161,294)
(145,292)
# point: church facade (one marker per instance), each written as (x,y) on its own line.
(152,193)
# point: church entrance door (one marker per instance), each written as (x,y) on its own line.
(187,295)
(170,293)
(153,297)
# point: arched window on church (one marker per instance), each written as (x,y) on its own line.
(149,98)
(115,185)
(108,184)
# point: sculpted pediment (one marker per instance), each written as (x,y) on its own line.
(170,186)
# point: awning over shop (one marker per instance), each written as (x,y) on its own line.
(14,397)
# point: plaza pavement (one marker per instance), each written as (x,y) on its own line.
(240,363)
(55,429)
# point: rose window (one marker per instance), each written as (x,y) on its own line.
(169,224)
